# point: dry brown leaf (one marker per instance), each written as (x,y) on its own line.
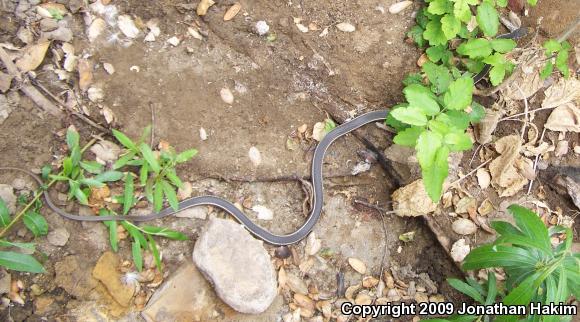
(563,92)
(232,11)
(528,81)
(564,118)
(5,80)
(412,200)
(203,6)
(505,176)
(487,125)
(85,74)
(32,56)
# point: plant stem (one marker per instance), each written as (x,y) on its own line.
(37,196)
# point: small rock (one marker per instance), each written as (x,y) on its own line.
(313,244)
(174,41)
(412,200)
(296,284)
(127,26)
(227,96)
(96,29)
(345,27)
(5,81)
(255,156)
(95,94)
(262,27)
(42,304)
(202,134)
(7,194)
(318,131)
(232,11)
(25,35)
(237,265)
(58,237)
(464,226)
(106,151)
(399,6)
(106,272)
(465,205)
(5,108)
(109,68)
(185,191)
(48,24)
(263,212)
(63,34)
(459,250)
(483,178)
(5,281)
(193,212)
(357,265)
(73,274)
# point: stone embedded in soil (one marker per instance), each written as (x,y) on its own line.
(58,237)
(193,212)
(186,296)
(237,265)
(106,272)
(5,281)
(7,194)
(73,274)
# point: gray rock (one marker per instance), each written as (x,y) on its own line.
(237,265)
(5,281)
(193,212)
(7,194)
(48,24)
(63,34)
(58,237)
(19,184)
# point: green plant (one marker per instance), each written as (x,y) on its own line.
(460,39)
(536,271)
(561,52)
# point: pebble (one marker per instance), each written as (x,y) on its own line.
(96,29)
(255,156)
(227,95)
(185,191)
(357,265)
(5,281)
(19,184)
(48,24)
(345,27)
(106,272)
(127,26)
(7,194)
(95,94)
(202,134)
(459,250)
(174,41)
(193,213)
(58,237)
(399,6)
(262,27)
(63,34)
(464,226)
(109,68)
(237,265)
(263,212)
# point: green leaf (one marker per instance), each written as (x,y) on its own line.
(438,7)
(475,48)
(502,3)
(128,194)
(155,252)
(67,166)
(547,70)
(4,213)
(20,262)
(458,141)
(109,176)
(149,157)
(503,45)
(393,122)
(158,197)
(36,223)
(552,46)
(523,294)
(491,288)
(450,26)
(164,232)
(459,94)
(172,176)
(45,171)
(143,173)
(329,125)
(427,145)
(465,289)
(461,9)
(505,228)
(92,166)
(562,63)
(531,225)
(112,225)
(434,34)
(439,53)
(90,182)
(80,195)
(410,115)
(185,155)
(497,74)
(457,120)
(487,19)
(122,161)
(438,126)
(413,78)
(474,66)
(124,140)
(438,76)
(416,33)
(170,194)
(137,253)
(421,98)
(488,256)
(408,136)
(26,247)
(477,112)
(72,138)
(434,175)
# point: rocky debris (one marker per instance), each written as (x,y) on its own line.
(237,265)
(107,273)
(262,27)
(58,237)
(345,27)
(459,250)
(227,95)
(73,274)
(43,305)
(464,226)
(7,194)
(185,296)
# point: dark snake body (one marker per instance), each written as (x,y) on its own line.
(256,230)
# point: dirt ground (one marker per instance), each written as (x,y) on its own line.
(278,85)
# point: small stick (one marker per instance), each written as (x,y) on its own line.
(526,110)
(536,161)
(469,173)
(507,118)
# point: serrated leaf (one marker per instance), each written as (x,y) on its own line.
(416,33)
(461,9)
(427,145)
(547,70)
(438,7)
(477,112)
(487,19)
(434,34)
(125,140)
(4,213)
(410,115)
(439,53)
(185,155)
(438,76)
(458,120)
(128,194)
(413,78)
(475,48)
(149,157)
(20,262)
(562,62)
(436,173)
(137,253)
(460,94)
(552,46)
(502,3)
(169,192)
(458,141)
(503,45)
(497,74)
(450,26)
(36,223)
(438,126)
(421,98)
(408,136)
(393,122)
(474,66)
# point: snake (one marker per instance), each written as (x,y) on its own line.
(227,206)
